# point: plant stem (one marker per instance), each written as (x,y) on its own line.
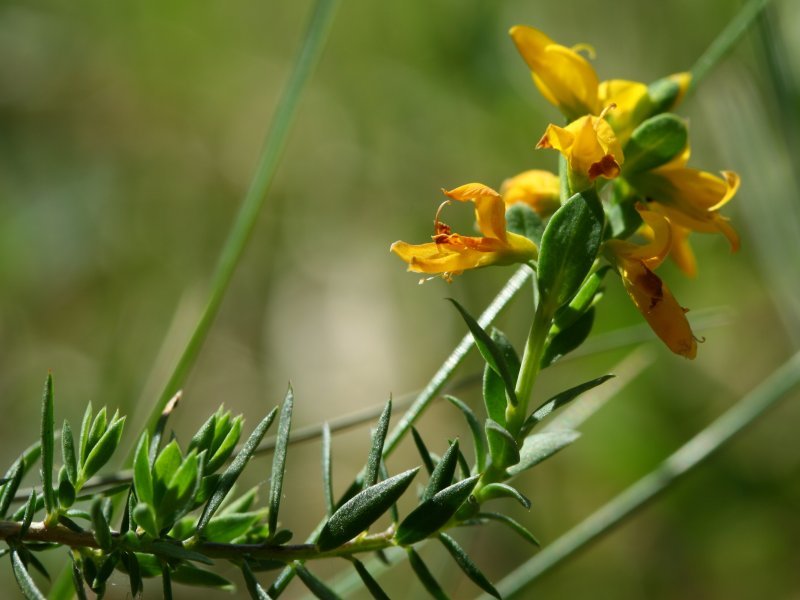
(245,221)
(529,370)
(690,455)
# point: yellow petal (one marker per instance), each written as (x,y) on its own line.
(538,189)
(564,77)
(589,145)
(681,252)
(490,212)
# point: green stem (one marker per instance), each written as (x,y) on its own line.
(725,41)
(690,455)
(243,226)
(529,369)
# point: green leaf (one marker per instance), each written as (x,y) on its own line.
(315,585)
(97,430)
(489,350)
(142,475)
(623,218)
(566,341)
(86,425)
(191,575)
(432,514)
(502,446)
(145,517)
(539,446)
(228,527)
(131,567)
(226,447)
(523,220)
(494,389)
(68,452)
(559,400)
(242,504)
(654,143)
(102,532)
(362,510)
(253,587)
(38,504)
(376,451)
(177,551)
(661,96)
(77,578)
(425,576)
(423,450)
(569,247)
(279,460)
(103,449)
(66,491)
(164,468)
(24,581)
(10,488)
(27,515)
(583,300)
(166,576)
(442,475)
(514,525)
(205,435)
(369,581)
(327,469)
(48,445)
(161,423)
(233,471)
(395,516)
(503,490)
(465,562)
(478,438)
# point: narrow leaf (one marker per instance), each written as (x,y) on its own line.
(560,400)
(489,350)
(131,565)
(369,581)
(166,581)
(226,447)
(48,445)
(11,487)
(376,451)
(502,446)
(494,389)
(570,244)
(425,576)
(478,438)
(514,525)
(279,460)
(465,562)
(102,532)
(432,514)
(523,220)
(393,508)
(315,585)
(191,575)
(540,446)
(177,551)
(142,475)
(86,425)
(442,475)
(503,490)
(68,452)
(583,300)
(103,449)
(655,142)
(358,513)
(569,339)
(145,517)
(161,424)
(253,587)
(233,471)
(97,430)
(24,581)
(423,450)
(77,578)
(27,516)
(327,468)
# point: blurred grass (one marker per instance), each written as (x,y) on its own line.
(129,133)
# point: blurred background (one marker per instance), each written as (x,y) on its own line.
(129,132)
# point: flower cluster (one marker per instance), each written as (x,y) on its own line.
(621,138)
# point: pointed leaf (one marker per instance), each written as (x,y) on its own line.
(376,451)
(142,476)
(177,551)
(102,532)
(583,300)
(166,577)
(204,436)
(10,488)
(145,517)
(494,389)
(465,562)
(327,468)
(279,460)
(48,445)
(478,439)
(226,447)
(191,575)
(369,581)
(515,525)
(432,514)
(86,425)
(253,587)
(654,143)
(361,511)
(27,515)
(567,340)
(423,450)
(161,424)
(315,585)
(24,580)
(68,452)
(233,471)
(502,490)
(228,527)
(569,246)
(393,508)
(489,350)
(102,451)
(77,579)
(97,430)
(425,576)
(502,446)
(560,400)
(540,446)
(523,220)
(442,475)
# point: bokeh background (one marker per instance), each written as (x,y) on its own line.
(129,131)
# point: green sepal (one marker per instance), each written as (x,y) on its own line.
(279,460)
(569,339)
(540,446)
(570,245)
(513,524)
(654,143)
(494,388)
(559,400)
(465,563)
(432,514)
(425,576)
(442,475)
(478,437)
(376,450)
(503,490)
(523,220)
(503,448)
(489,350)
(362,510)
(68,452)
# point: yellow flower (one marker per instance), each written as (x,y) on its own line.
(690,198)
(567,80)
(649,294)
(538,189)
(590,147)
(451,254)
(681,251)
